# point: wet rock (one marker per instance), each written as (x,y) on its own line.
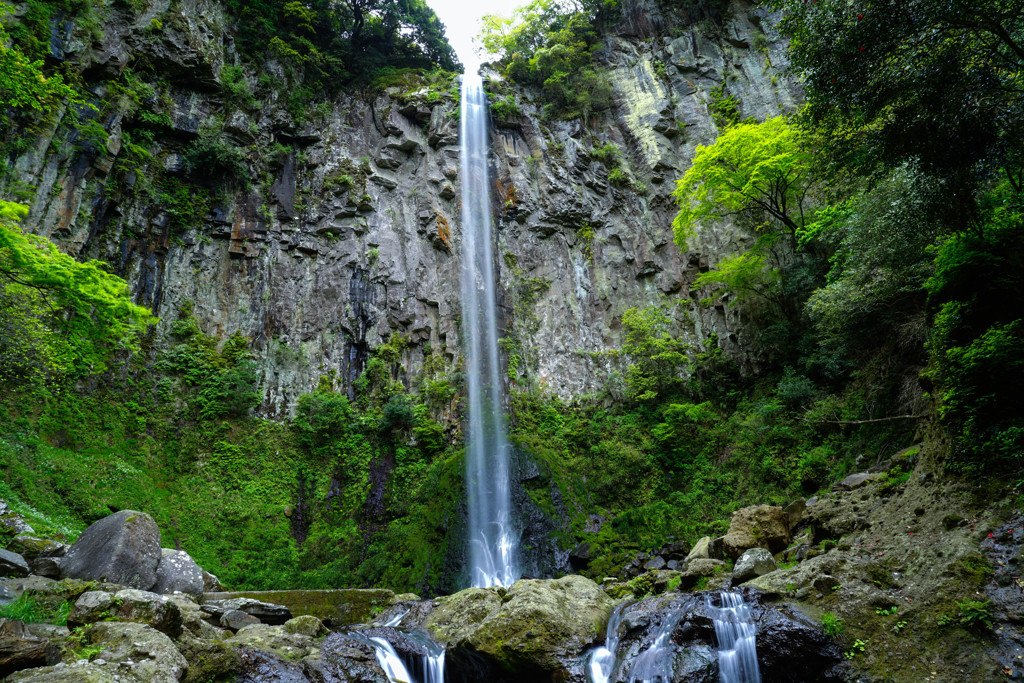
(12,564)
(209,659)
(80,671)
(346,659)
(178,572)
(122,548)
(751,564)
(266,612)
(263,667)
(760,526)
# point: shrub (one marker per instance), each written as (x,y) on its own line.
(832,625)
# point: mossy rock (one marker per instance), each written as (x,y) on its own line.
(537,625)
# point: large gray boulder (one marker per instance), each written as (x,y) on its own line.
(146,653)
(12,564)
(178,572)
(122,548)
(752,564)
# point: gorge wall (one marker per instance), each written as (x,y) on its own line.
(349,230)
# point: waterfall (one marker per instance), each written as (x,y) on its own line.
(736,632)
(492,540)
(389,660)
(602,661)
(423,668)
(654,665)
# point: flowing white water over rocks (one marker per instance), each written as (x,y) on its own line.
(602,660)
(492,539)
(736,632)
(654,665)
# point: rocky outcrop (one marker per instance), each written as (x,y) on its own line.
(128,605)
(178,572)
(760,526)
(12,564)
(538,626)
(751,564)
(122,548)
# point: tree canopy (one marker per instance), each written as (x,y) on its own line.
(759,169)
(58,315)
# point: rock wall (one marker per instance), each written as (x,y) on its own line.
(354,234)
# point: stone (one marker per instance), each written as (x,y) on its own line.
(178,572)
(46,566)
(700,550)
(31,547)
(236,620)
(20,649)
(759,526)
(211,583)
(152,655)
(76,672)
(825,584)
(540,625)
(12,564)
(306,625)
(795,513)
(273,639)
(266,612)
(751,564)
(855,481)
(128,605)
(121,548)
(657,562)
(716,548)
(209,659)
(348,659)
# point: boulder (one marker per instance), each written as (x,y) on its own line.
(46,566)
(75,672)
(178,572)
(716,548)
(698,569)
(263,667)
(192,619)
(795,513)
(30,547)
(347,658)
(236,620)
(211,583)
(752,564)
(855,481)
(12,564)
(122,548)
(306,625)
(657,562)
(273,639)
(127,605)
(209,659)
(20,649)
(700,550)
(759,526)
(266,612)
(538,625)
(146,653)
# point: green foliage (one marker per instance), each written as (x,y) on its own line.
(236,88)
(976,614)
(211,159)
(27,609)
(505,110)
(549,46)
(761,168)
(832,625)
(58,316)
(725,109)
(657,359)
(977,345)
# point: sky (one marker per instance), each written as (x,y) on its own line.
(461,19)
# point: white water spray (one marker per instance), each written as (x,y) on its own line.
(737,634)
(602,660)
(492,539)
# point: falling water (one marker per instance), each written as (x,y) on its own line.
(394,667)
(602,661)
(492,546)
(654,665)
(737,651)
(424,668)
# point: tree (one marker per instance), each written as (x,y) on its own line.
(940,81)
(761,170)
(58,315)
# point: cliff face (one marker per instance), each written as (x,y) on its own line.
(349,231)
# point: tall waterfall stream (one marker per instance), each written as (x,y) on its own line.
(492,539)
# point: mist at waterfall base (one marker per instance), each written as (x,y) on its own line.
(492,539)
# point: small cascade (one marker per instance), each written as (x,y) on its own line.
(394,667)
(654,665)
(424,668)
(736,632)
(602,660)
